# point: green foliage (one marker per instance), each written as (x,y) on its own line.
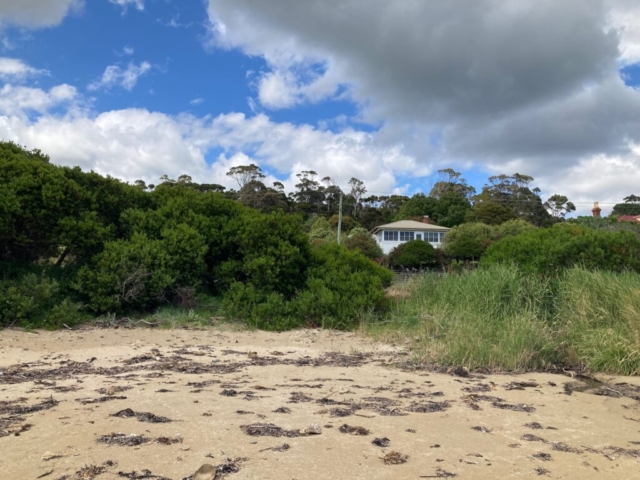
(320,229)
(361,240)
(35,300)
(273,253)
(604,223)
(490,213)
(631,206)
(348,223)
(565,245)
(445,210)
(127,273)
(340,286)
(413,254)
(469,241)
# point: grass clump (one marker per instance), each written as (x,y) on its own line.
(501,318)
(598,320)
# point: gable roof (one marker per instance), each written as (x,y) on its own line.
(629,218)
(410,225)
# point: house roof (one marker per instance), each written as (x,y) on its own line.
(410,225)
(629,218)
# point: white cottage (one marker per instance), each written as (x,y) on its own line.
(391,235)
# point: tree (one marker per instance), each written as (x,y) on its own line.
(451,183)
(417,206)
(361,240)
(413,254)
(256,194)
(491,213)
(631,206)
(310,194)
(515,192)
(559,206)
(244,174)
(358,190)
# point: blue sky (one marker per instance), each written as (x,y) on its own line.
(138,88)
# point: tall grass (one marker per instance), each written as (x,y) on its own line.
(598,320)
(503,319)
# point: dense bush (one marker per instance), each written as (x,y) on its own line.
(413,254)
(341,285)
(35,300)
(564,245)
(361,240)
(469,241)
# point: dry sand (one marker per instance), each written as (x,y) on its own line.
(211,383)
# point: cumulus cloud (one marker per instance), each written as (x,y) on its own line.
(19,102)
(116,76)
(531,86)
(138,144)
(36,13)
(13,69)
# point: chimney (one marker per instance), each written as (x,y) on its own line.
(596,210)
(426,219)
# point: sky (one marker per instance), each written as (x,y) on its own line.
(387,92)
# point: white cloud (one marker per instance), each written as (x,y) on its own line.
(19,102)
(600,178)
(139,144)
(17,70)
(196,101)
(116,76)
(625,16)
(128,50)
(36,13)
(125,4)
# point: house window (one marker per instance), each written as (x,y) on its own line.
(390,236)
(434,237)
(406,236)
(418,236)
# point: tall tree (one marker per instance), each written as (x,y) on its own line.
(559,206)
(358,190)
(451,183)
(244,174)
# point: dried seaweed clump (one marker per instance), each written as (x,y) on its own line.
(268,430)
(354,430)
(123,439)
(141,416)
(395,458)
(428,407)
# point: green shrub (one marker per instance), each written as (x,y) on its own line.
(26,297)
(340,286)
(413,254)
(64,313)
(361,240)
(469,240)
(565,245)
(128,273)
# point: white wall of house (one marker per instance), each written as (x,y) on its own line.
(390,239)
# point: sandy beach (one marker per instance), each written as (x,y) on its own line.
(308,404)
